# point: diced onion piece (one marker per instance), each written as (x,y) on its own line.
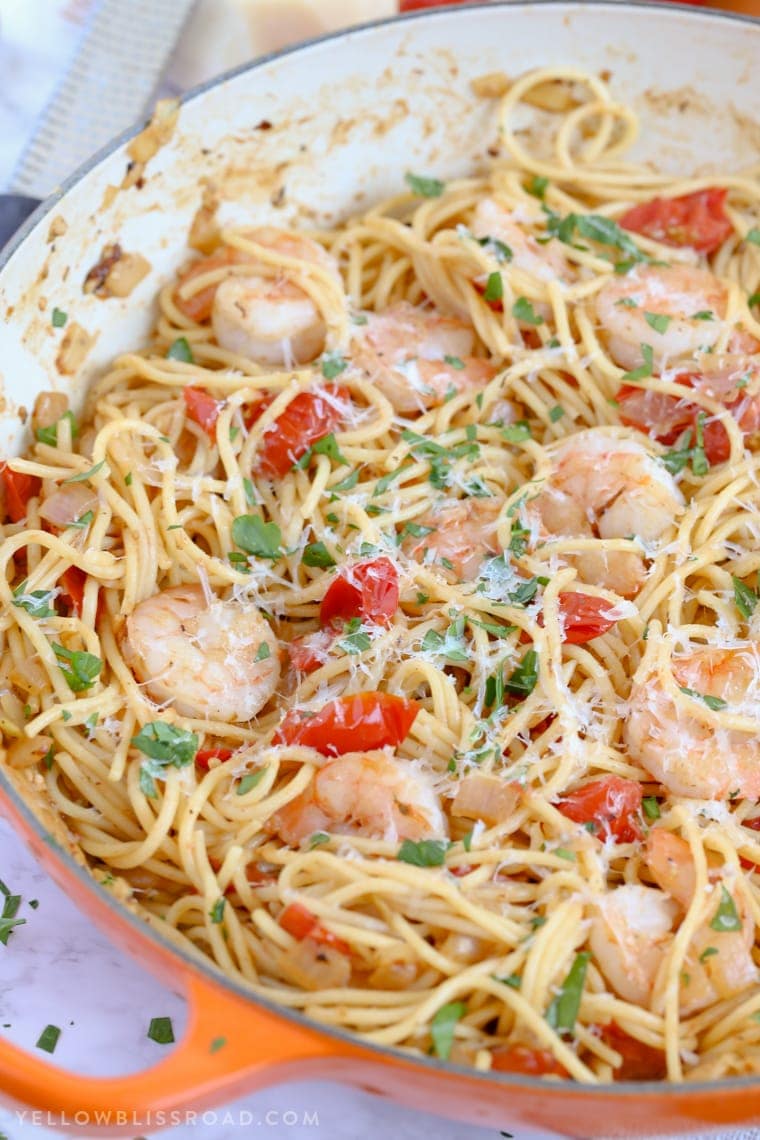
(68,503)
(485,797)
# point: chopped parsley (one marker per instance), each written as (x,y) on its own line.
(678,458)
(708,952)
(498,249)
(455,362)
(58,318)
(356,639)
(753,236)
(556,413)
(263,652)
(348,483)
(318,839)
(424,187)
(651,807)
(518,538)
(216,914)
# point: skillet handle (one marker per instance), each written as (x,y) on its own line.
(231,1047)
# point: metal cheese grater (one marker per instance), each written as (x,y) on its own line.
(107,87)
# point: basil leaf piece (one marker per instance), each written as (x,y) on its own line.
(424,853)
(651,807)
(49,434)
(745,598)
(250,780)
(726,917)
(317,555)
(161,1031)
(216,914)
(714,703)
(48,1039)
(328,445)
(657,321)
(333,363)
(58,318)
(523,310)
(517,432)
(443,1025)
(254,536)
(36,604)
(494,290)
(424,187)
(537,186)
(644,370)
(167,744)
(753,236)
(83,476)
(523,680)
(80,669)
(564,1006)
(180,350)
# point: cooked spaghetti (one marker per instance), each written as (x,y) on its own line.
(387,629)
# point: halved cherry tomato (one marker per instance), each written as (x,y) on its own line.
(203,408)
(18,489)
(584,617)
(357,723)
(521,1059)
(697,219)
(640,1062)
(310,652)
(308,418)
(666,417)
(72,583)
(301,923)
(203,755)
(612,803)
(368,590)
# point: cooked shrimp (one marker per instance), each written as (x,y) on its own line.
(546,262)
(364,793)
(462,535)
(207,660)
(602,486)
(683,742)
(719,963)
(264,317)
(629,938)
(417,357)
(680,293)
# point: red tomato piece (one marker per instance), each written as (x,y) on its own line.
(356,723)
(584,617)
(640,1062)
(368,590)
(666,417)
(697,219)
(308,418)
(254,412)
(72,583)
(612,803)
(522,1059)
(203,755)
(310,652)
(301,923)
(203,409)
(18,489)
